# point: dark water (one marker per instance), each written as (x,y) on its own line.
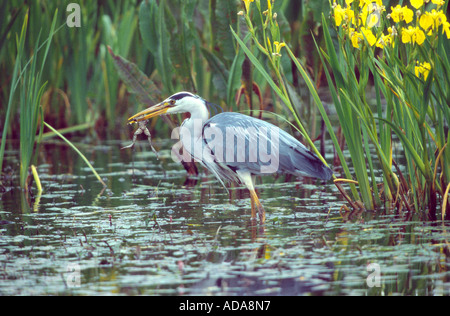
(151,233)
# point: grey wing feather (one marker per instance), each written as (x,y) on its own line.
(241,142)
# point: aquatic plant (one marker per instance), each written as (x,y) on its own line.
(404,48)
(404,53)
(28,78)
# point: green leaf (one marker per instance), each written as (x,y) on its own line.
(152,24)
(223,15)
(334,63)
(407,144)
(261,69)
(14,83)
(78,152)
(234,77)
(147,24)
(219,72)
(135,80)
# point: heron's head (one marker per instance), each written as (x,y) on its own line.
(178,103)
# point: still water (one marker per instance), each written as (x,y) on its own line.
(152,232)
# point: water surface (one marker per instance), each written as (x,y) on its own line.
(153,232)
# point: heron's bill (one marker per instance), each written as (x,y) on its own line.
(153,111)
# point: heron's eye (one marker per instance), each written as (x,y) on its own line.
(172,102)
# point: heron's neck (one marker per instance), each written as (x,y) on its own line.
(199,115)
(200,112)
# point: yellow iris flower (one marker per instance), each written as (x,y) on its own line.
(371,39)
(355,37)
(359,23)
(413,35)
(278,47)
(432,20)
(385,40)
(400,13)
(422,69)
(341,14)
(358,37)
(370,12)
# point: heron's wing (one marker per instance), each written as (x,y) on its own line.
(245,143)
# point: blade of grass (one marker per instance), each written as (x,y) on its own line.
(70,129)
(36,178)
(320,106)
(78,152)
(261,69)
(407,144)
(445,201)
(15,81)
(31,92)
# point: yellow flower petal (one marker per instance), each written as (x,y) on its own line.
(339,14)
(371,39)
(438,2)
(422,69)
(408,15)
(385,40)
(350,15)
(420,37)
(247,4)
(446,29)
(417,3)
(373,21)
(278,47)
(425,21)
(355,38)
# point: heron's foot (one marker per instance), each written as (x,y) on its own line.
(261,214)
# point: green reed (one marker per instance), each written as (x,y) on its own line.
(28,78)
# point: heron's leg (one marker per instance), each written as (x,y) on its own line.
(257,203)
(252,201)
(248,180)
(261,211)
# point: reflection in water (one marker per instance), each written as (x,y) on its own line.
(153,231)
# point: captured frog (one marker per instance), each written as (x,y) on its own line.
(142,128)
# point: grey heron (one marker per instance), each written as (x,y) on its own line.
(236,147)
